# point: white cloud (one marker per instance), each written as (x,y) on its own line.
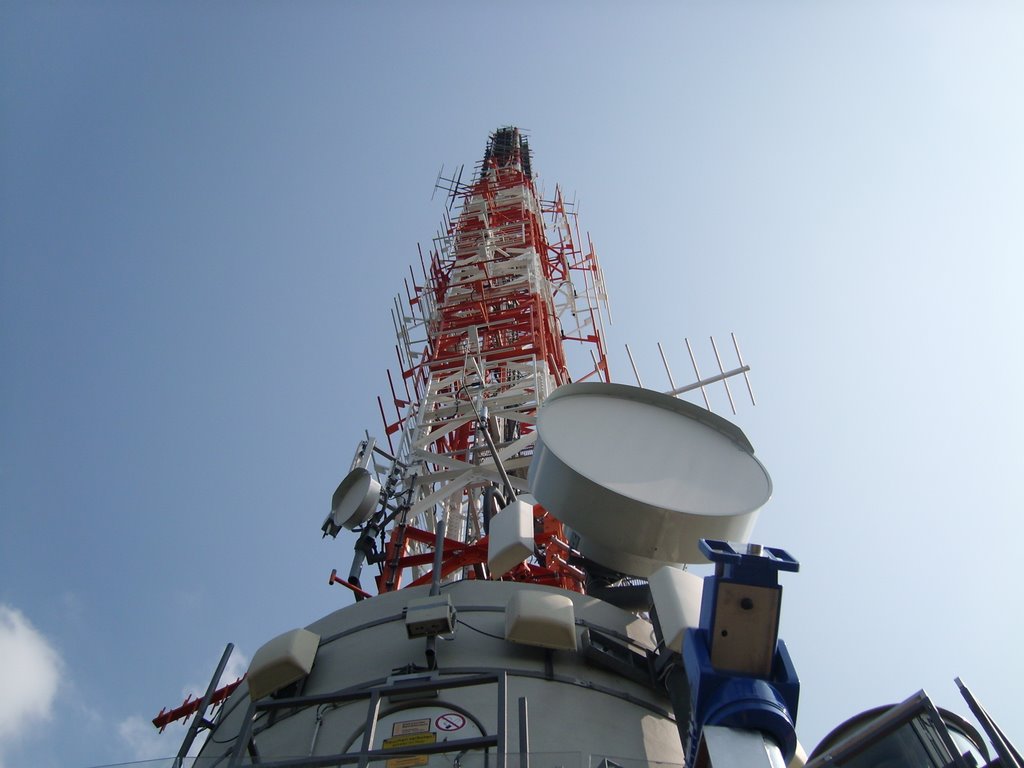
(143,741)
(30,671)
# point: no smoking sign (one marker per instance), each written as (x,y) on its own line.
(449,721)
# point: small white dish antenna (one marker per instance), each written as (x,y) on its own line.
(354,501)
(643,476)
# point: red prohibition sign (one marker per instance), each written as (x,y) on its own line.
(449,721)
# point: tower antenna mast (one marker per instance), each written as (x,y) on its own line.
(509,288)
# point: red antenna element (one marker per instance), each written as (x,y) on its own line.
(508,295)
(191,705)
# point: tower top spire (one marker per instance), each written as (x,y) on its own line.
(507,147)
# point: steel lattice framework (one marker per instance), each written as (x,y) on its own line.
(482,340)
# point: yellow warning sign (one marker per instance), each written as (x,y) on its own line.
(409,740)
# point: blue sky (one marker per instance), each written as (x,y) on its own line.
(206,209)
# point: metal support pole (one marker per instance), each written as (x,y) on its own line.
(435,586)
(524,734)
(363,548)
(728,747)
(1008,754)
(200,717)
(435,577)
(481,422)
(369,729)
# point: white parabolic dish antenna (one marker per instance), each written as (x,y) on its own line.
(355,500)
(642,476)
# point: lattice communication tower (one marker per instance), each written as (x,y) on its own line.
(483,334)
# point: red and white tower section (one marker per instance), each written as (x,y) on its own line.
(484,336)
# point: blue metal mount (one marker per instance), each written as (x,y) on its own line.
(740,674)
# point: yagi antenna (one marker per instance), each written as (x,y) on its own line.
(451,185)
(723,375)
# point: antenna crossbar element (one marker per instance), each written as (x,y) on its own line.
(736,346)
(696,370)
(668,371)
(632,364)
(725,379)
